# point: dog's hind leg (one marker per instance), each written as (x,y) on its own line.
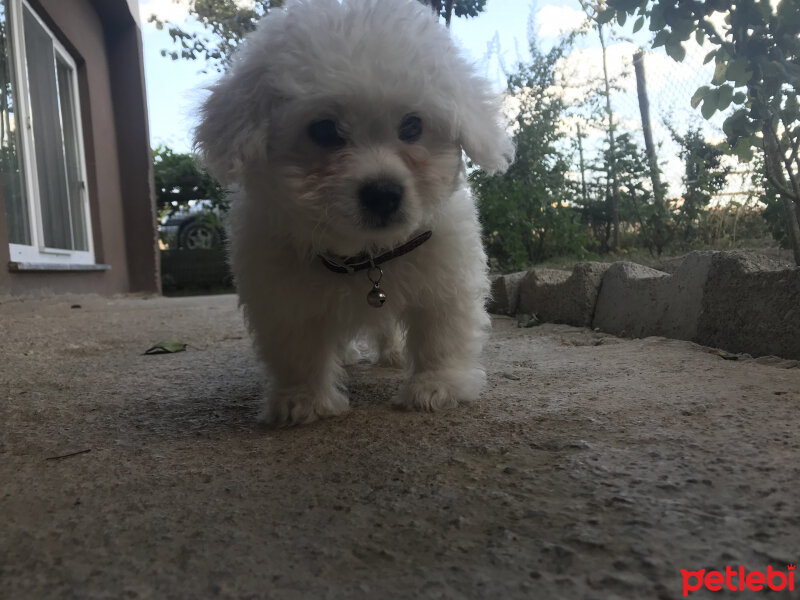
(351,353)
(391,345)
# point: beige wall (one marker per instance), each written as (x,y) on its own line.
(103,37)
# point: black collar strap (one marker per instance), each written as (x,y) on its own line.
(364,261)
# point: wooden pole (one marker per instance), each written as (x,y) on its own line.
(582,167)
(612,147)
(644,109)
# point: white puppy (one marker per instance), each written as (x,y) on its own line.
(343,124)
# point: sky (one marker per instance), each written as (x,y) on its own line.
(495,41)
(175,87)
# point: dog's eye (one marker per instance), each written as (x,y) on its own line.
(324,134)
(410,129)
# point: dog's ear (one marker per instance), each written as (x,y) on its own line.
(482,131)
(234,122)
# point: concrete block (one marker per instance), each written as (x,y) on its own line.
(558,296)
(751,305)
(505,293)
(638,301)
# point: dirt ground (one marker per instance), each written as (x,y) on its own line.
(592,467)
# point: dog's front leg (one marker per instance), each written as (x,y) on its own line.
(444,344)
(306,375)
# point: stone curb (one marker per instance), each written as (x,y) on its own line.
(505,293)
(638,301)
(751,306)
(728,300)
(560,296)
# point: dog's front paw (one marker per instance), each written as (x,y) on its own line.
(440,390)
(296,406)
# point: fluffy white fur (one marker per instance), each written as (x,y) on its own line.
(364,64)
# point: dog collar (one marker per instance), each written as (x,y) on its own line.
(376,297)
(339,264)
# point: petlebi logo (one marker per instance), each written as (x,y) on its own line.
(739,580)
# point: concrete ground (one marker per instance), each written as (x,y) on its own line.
(592,467)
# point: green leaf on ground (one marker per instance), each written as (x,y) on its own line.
(525,320)
(166,347)
(725,355)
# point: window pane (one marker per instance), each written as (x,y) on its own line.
(47,138)
(67,97)
(11,180)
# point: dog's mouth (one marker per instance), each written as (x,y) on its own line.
(382,224)
(368,239)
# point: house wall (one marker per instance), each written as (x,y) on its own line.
(104,38)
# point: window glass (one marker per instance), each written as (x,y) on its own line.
(11,182)
(48,141)
(75,184)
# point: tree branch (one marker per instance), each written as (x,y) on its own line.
(773,171)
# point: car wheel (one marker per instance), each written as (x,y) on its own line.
(197,235)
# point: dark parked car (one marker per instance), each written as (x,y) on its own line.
(198,228)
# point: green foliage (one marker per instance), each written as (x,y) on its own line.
(461,8)
(732,225)
(521,227)
(704,175)
(526,212)
(224,25)
(596,14)
(757,57)
(179,181)
(773,216)
(637,203)
(651,221)
(468,8)
(772,212)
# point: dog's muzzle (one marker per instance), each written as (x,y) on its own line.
(380,200)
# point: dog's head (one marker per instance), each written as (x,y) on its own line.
(353,115)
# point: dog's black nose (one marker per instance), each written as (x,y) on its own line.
(381,198)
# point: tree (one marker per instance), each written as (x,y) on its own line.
(179,181)
(225,23)
(461,8)
(757,57)
(639,209)
(772,213)
(593,8)
(639,203)
(526,212)
(703,177)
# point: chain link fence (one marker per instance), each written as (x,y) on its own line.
(670,86)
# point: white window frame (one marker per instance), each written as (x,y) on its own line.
(37,252)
